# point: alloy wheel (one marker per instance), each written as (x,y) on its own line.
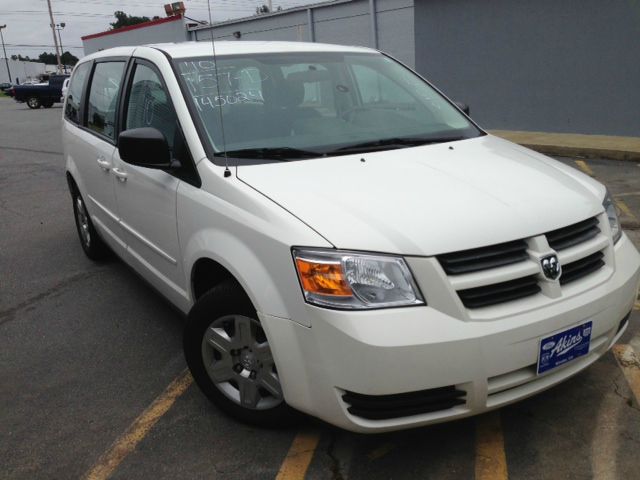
(83,222)
(239,362)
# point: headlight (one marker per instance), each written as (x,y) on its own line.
(354,281)
(610,207)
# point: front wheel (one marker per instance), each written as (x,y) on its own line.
(33,102)
(230,358)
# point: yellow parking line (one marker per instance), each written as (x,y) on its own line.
(140,427)
(636,306)
(584,167)
(381,451)
(491,460)
(624,208)
(629,362)
(298,459)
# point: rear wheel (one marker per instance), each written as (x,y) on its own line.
(230,358)
(91,242)
(33,102)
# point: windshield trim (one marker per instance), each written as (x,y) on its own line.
(481,131)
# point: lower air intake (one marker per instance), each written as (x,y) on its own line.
(380,407)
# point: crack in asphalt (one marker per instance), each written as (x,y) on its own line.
(9,314)
(336,467)
(32,150)
(627,400)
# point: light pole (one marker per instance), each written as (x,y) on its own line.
(5,52)
(59,27)
(55,39)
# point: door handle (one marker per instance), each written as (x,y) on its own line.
(104,164)
(120,174)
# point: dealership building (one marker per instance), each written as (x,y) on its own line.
(569,66)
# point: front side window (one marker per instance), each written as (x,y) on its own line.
(148,105)
(103,98)
(74,94)
(311,104)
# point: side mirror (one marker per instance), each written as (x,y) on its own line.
(463,106)
(145,147)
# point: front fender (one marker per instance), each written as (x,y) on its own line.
(251,237)
(242,262)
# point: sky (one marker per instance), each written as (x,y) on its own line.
(28,31)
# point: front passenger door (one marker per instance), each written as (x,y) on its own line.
(147,197)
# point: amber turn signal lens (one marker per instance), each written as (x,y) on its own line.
(323,278)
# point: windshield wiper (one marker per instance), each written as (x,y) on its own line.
(397,142)
(275,153)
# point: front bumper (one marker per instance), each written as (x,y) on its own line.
(393,351)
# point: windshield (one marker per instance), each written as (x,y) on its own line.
(307,105)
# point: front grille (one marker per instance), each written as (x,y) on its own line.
(506,272)
(499,292)
(483,258)
(581,268)
(573,234)
(380,407)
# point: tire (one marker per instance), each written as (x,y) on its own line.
(91,243)
(47,105)
(33,102)
(230,359)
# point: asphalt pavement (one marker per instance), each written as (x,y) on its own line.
(86,349)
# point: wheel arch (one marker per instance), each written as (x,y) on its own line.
(213,256)
(71,182)
(206,273)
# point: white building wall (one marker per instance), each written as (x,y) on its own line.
(23,71)
(168,31)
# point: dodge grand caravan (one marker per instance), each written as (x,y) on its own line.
(344,239)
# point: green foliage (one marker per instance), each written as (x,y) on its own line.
(68,59)
(49,58)
(24,59)
(124,20)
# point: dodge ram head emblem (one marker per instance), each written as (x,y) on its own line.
(551,267)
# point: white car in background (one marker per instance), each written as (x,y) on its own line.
(65,88)
(344,239)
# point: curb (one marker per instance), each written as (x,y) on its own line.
(570,145)
(584,152)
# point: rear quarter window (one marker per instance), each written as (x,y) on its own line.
(74,95)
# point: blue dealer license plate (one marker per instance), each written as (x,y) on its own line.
(563,347)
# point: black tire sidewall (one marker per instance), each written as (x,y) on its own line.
(227,298)
(96,250)
(36,100)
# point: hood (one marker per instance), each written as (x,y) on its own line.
(430,199)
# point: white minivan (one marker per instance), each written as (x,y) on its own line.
(344,239)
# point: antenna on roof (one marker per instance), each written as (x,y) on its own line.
(227,172)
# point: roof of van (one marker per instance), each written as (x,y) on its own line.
(197,49)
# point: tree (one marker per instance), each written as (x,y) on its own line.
(49,58)
(68,58)
(124,20)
